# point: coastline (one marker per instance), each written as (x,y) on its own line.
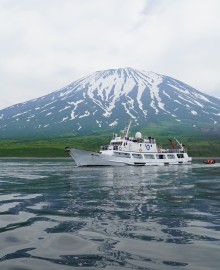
(70,158)
(53,158)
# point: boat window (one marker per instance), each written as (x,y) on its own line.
(146,156)
(104,147)
(160,156)
(120,154)
(116,143)
(139,156)
(180,155)
(170,156)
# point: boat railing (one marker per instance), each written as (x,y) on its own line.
(172,150)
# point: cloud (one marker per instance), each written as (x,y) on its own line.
(48,44)
(188,41)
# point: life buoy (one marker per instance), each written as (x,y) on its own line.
(120,148)
(147,146)
(140,150)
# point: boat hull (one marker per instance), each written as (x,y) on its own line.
(89,158)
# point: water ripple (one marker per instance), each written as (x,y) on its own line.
(57,216)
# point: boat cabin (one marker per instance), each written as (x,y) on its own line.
(131,144)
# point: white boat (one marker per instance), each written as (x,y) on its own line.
(125,150)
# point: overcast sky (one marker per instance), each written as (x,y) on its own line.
(47,44)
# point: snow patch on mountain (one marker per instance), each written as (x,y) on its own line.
(63,120)
(99,123)
(194,112)
(87,113)
(114,123)
(65,108)
(72,115)
(139,99)
(18,114)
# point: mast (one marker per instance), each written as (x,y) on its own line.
(172,144)
(180,144)
(128,128)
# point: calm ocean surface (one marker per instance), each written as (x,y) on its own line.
(57,216)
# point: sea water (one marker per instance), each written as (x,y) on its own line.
(54,215)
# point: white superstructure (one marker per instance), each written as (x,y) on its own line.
(125,150)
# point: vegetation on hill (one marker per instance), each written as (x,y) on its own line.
(197,143)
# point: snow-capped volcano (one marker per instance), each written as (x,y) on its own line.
(110,98)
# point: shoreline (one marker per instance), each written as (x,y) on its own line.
(70,158)
(54,158)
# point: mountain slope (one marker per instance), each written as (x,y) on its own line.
(110,98)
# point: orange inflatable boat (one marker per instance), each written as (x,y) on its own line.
(209,161)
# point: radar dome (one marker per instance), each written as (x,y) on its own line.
(138,135)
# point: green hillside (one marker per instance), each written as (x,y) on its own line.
(198,143)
